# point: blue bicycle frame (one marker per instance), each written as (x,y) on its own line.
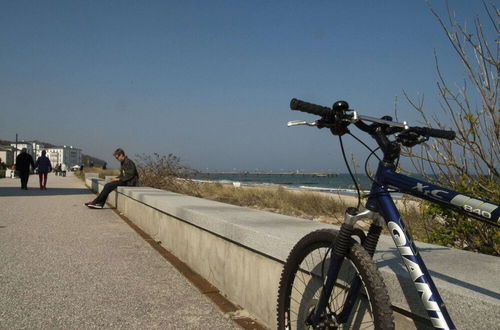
(380,207)
(380,201)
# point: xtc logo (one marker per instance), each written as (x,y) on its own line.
(474,205)
(424,190)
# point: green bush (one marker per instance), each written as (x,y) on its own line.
(461,231)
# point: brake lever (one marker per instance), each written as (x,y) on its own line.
(301,122)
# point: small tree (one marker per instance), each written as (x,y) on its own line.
(470,163)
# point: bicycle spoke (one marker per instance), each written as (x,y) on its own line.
(306,282)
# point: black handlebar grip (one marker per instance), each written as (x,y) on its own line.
(439,133)
(318,110)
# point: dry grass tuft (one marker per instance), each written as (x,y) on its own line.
(302,204)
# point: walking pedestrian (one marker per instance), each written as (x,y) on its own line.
(44,167)
(128,177)
(23,163)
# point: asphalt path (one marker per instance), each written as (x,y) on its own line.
(64,266)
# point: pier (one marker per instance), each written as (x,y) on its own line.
(272,173)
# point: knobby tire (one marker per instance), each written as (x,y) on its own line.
(301,284)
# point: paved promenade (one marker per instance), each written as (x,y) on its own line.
(64,266)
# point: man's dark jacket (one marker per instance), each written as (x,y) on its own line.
(23,162)
(128,173)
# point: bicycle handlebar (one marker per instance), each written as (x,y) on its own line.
(322,111)
(437,133)
(296,104)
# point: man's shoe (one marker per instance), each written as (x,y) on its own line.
(94,205)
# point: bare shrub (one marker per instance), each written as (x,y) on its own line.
(468,164)
(164,172)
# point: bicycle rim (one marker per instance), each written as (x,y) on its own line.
(302,284)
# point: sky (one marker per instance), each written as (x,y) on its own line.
(211,81)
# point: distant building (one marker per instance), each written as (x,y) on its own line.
(21,145)
(57,155)
(37,149)
(32,148)
(7,155)
(65,155)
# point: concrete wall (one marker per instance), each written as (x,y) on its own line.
(241,251)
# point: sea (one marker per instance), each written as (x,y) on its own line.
(328,182)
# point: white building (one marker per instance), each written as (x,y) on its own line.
(37,149)
(22,145)
(57,155)
(32,148)
(64,155)
(7,155)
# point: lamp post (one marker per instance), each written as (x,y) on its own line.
(15,156)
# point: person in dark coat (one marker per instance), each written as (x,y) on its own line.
(44,167)
(128,177)
(23,163)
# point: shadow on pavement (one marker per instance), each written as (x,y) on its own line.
(17,191)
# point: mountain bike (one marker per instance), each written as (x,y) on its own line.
(329,280)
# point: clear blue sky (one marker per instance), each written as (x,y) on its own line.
(211,81)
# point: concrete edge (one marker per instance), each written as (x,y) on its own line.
(272,236)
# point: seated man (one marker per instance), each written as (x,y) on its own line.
(128,177)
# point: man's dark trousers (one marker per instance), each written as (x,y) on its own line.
(108,187)
(24,176)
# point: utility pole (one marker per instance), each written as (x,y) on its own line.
(16,149)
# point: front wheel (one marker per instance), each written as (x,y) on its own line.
(302,280)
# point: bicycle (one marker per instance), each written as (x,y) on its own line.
(329,280)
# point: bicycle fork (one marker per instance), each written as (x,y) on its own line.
(340,250)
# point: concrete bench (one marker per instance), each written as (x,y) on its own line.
(241,251)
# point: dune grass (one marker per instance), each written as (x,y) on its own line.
(302,204)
